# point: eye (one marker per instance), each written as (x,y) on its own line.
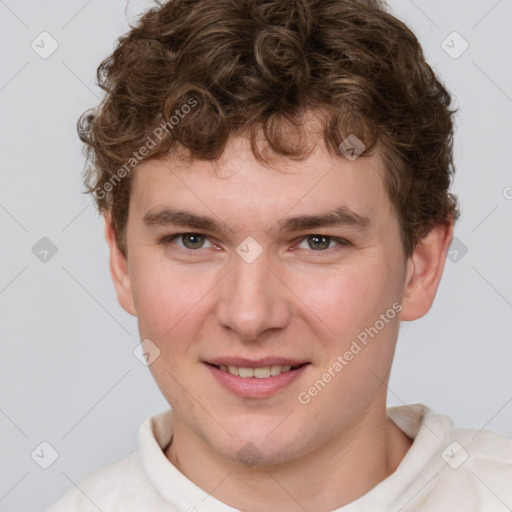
(190,241)
(321,243)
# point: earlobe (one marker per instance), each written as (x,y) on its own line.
(119,270)
(424,271)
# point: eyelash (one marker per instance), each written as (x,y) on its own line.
(166,240)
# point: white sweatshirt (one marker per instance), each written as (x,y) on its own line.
(447,469)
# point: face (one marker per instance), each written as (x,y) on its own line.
(238,293)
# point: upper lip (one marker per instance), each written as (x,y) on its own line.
(255,363)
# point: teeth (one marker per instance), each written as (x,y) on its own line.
(246,372)
(275,369)
(259,373)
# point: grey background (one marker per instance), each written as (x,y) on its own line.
(68,375)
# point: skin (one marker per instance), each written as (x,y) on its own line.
(287,302)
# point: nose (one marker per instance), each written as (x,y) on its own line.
(254,299)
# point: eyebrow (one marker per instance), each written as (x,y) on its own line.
(341,216)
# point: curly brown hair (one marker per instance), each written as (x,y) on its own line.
(192,73)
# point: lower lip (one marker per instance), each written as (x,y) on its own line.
(252,387)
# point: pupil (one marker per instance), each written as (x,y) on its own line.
(323,245)
(192,237)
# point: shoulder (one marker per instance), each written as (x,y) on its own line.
(451,468)
(121,484)
(129,484)
(478,450)
(485,454)
(475,471)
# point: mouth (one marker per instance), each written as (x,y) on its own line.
(256,379)
(258,372)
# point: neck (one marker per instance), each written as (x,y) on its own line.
(338,472)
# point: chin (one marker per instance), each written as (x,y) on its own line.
(260,452)
(261,443)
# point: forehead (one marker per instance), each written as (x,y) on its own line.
(239,189)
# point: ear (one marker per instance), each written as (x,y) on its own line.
(119,270)
(424,270)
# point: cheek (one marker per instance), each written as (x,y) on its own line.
(168,299)
(359,351)
(343,300)
(172,304)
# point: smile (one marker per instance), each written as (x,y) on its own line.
(263,372)
(255,379)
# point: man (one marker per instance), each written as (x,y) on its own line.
(275,178)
